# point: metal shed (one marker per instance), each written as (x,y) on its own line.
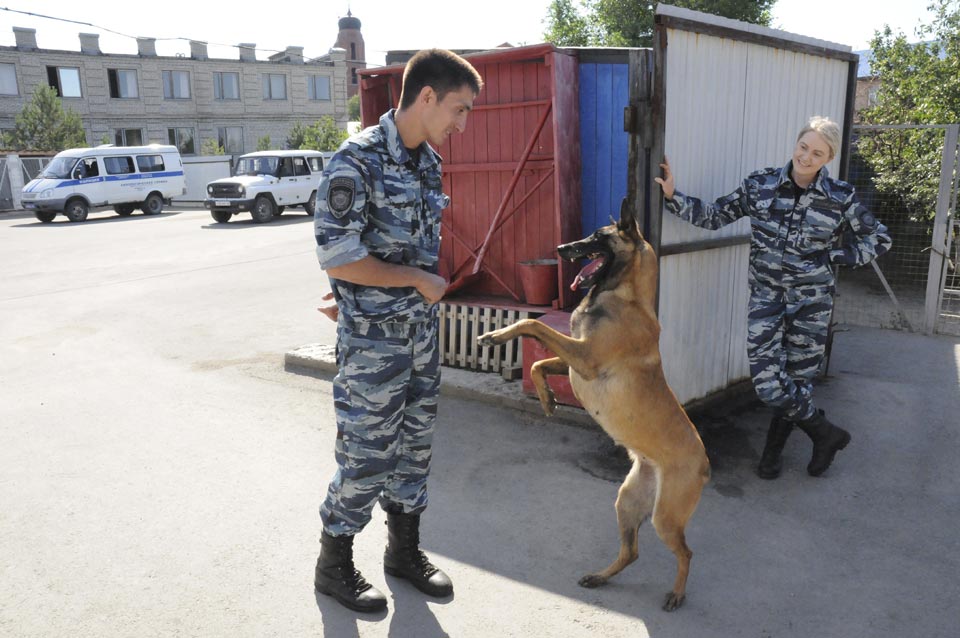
(560,136)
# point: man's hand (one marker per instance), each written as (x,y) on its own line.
(331,312)
(666,182)
(432,287)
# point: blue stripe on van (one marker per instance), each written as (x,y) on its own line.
(117,178)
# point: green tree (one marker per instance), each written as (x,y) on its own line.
(918,84)
(44,125)
(264,143)
(353,108)
(323,135)
(629,23)
(296,136)
(211,146)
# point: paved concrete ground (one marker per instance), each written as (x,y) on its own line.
(160,471)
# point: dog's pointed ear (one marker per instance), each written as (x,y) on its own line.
(628,223)
(626,215)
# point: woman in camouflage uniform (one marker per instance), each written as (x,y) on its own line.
(803,222)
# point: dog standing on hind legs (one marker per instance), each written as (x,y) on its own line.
(613,359)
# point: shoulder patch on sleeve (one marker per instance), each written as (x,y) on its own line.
(340,195)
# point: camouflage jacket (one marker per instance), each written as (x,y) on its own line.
(375,199)
(793,242)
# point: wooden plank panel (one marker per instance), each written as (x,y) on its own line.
(588,146)
(604,142)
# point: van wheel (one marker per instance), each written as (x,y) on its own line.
(152,205)
(76,210)
(263,210)
(124,209)
(311,204)
(45,216)
(279,210)
(221,216)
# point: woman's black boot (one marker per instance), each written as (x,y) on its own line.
(770,465)
(828,439)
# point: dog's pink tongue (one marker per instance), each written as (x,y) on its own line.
(585,272)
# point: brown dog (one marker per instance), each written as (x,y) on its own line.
(613,359)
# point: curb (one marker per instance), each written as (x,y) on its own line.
(319,360)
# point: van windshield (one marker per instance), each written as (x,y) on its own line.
(59,168)
(257,166)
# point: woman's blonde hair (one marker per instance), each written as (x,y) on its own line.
(828,130)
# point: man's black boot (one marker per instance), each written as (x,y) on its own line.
(827,438)
(337,577)
(770,465)
(404,559)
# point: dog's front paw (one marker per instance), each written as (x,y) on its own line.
(673,601)
(592,580)
(491,338)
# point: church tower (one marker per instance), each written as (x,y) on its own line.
(351,40)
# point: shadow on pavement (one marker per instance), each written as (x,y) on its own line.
(843,554)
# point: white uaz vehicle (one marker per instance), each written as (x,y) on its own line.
(125,177)
(265,183)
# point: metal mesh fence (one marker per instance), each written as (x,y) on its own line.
(897,173)
(948,321)
(6,192)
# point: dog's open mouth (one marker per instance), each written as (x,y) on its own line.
(588,274)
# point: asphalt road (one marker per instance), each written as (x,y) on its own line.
(160,471)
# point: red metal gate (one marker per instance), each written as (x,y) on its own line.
(514,176)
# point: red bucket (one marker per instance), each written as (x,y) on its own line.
(539,280)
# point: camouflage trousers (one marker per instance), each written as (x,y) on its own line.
(385,400)
(786,340)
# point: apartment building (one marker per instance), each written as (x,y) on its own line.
(128,99)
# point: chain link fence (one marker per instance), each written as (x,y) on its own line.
(906,176)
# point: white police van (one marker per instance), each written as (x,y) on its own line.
(125,177)
(265,183)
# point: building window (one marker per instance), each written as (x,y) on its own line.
(182,138)
(65,79)
(123,83)
(318,87)
(353,50)
(274,86)
(8,79)
(231,139)
(128,137)
(353,76)
(226,86)
(176,85)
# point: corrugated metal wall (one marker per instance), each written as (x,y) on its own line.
(731,107)
(604,92)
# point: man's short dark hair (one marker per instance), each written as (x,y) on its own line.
(439,69)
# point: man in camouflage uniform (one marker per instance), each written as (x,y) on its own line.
(378,237)
(802,223)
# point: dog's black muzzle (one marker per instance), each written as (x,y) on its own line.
(580,248)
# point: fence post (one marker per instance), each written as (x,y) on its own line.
(938,248)
(15,175)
